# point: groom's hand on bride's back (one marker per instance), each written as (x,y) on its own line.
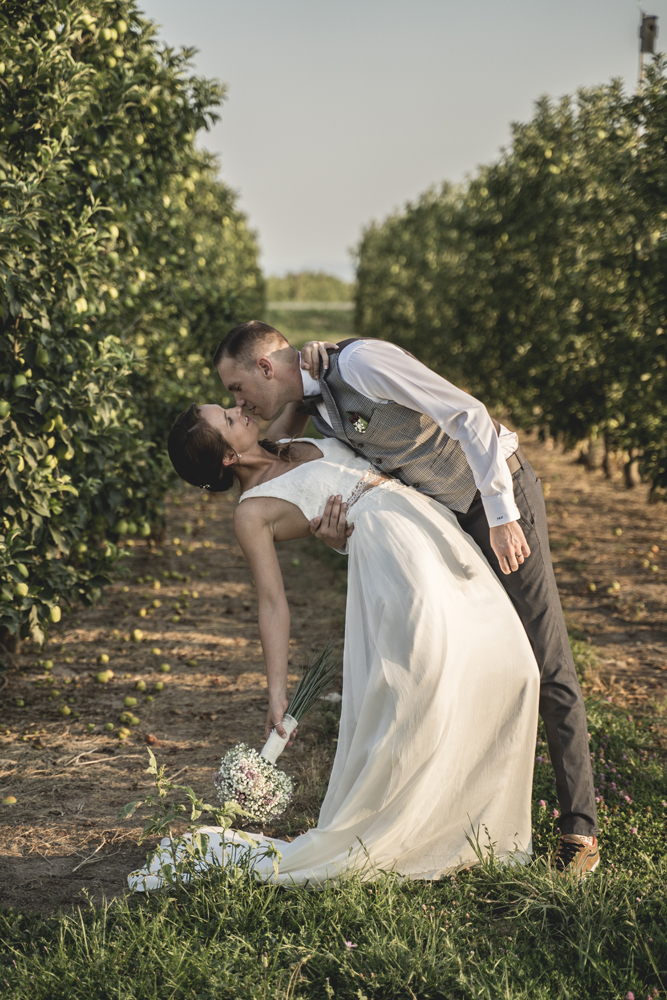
(332,528)
(510,546)
(313,354)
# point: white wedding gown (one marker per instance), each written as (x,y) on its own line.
(440,694)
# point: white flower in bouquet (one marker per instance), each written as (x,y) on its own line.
(257,785)
(251,779)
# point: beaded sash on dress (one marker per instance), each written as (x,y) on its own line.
(369,479)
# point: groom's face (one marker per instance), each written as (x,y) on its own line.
(256,388)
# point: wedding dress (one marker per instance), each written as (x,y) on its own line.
(440,694)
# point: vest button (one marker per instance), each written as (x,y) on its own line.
(416,486)
(378,460)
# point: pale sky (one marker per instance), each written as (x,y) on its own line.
(339,113)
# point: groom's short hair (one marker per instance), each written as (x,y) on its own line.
(248,341)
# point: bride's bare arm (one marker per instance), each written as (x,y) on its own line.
(256,536)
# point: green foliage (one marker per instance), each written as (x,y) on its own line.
(317,676)
(181,854)
(586,660)
(301,325)
(308,286)
(122,262)
(493,931)
(540,284)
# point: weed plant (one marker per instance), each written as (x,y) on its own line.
(492,931)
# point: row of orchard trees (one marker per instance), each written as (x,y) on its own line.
(123,261)
(541,284)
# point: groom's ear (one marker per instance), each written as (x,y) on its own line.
(265,365)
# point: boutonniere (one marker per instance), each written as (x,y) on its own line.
(359,423)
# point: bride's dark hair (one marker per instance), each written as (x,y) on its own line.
(196,451)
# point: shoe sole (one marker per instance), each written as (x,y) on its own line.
(590,871)
(582,875)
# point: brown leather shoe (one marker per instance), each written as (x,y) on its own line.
(574,858)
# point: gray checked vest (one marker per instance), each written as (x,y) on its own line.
(399,441)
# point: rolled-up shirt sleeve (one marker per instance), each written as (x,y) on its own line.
(384,372)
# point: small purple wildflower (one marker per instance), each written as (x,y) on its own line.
(350,946)
(542,804)
(555,814)
(629,995)
(634,830)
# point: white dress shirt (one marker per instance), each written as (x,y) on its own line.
(383,372)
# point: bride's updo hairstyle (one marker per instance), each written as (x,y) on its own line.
(197,451)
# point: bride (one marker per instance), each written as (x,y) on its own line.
(440,686)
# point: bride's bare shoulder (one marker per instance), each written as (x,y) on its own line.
(254,511)
(258,512)
(259,520)
(253,523)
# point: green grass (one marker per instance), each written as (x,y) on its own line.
(309,286)
(491,931)
(298,326)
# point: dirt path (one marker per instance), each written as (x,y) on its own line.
(609,549)
(70,776)
(70,782)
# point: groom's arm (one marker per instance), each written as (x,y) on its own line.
(382,371)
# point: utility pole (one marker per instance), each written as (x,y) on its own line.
(648,32)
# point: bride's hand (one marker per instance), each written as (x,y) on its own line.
(312,353)
(332,528)
(274,718)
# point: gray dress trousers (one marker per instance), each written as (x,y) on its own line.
(533,592)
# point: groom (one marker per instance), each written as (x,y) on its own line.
(416,426)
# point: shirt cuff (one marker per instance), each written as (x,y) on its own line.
(500,509)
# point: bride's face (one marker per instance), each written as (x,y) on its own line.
(239,430)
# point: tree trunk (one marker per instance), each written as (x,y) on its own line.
(609,461)
(631,475)
(9,642)
(593,454)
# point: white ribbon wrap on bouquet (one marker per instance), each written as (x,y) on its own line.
(275,744)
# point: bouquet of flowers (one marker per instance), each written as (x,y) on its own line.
(252,779)
(246,777)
